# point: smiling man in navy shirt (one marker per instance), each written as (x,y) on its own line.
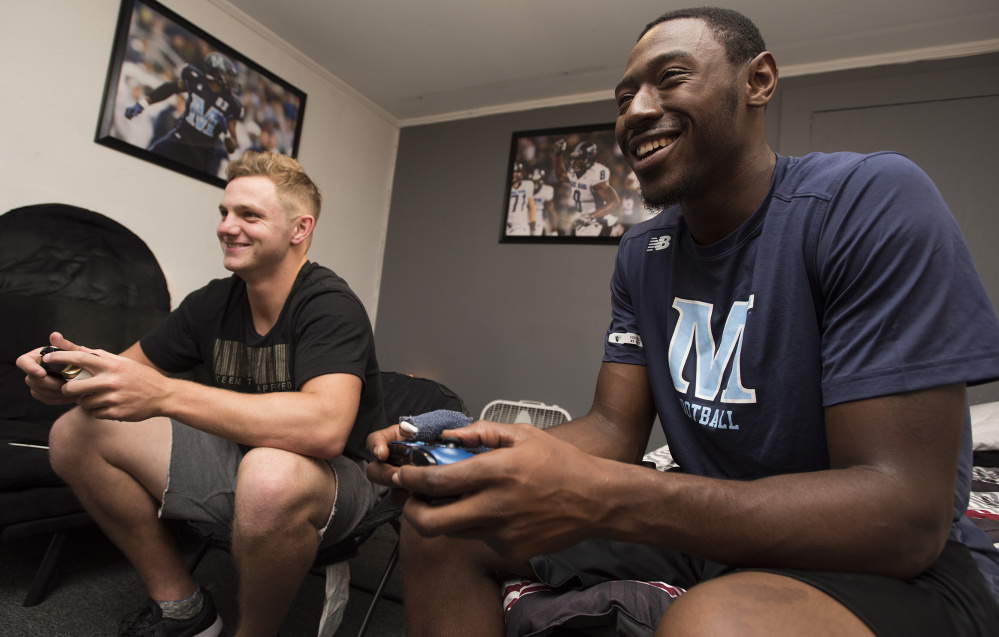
(804,328)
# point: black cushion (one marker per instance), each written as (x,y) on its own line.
(24,467)
(407,395)
(55,250)
(75,271)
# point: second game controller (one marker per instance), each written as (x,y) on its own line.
(427,454)
(63,370)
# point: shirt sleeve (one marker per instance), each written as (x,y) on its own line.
(623,341)
(333,337)
(904,308)
(173,346)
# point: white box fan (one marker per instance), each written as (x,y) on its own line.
(531,412)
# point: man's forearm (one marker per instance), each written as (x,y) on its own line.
(841,520)
(598,437)
(611,201)
(620,419)
(298,421)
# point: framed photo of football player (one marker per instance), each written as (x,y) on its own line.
(569,185)
(177,97)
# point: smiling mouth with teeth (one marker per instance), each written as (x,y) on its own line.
(648,147)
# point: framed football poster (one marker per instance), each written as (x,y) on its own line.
(569,185)
(177,97)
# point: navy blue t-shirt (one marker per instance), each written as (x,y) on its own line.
(852,280)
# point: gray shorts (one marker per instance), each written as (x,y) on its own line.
(201,485)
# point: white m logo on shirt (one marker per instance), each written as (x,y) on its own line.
(694,328)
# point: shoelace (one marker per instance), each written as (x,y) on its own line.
(140,620)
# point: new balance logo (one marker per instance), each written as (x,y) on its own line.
(658,243)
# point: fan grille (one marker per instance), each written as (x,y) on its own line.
(540,415)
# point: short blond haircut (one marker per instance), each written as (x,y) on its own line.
(295,189)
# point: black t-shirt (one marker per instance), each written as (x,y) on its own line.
(323,329)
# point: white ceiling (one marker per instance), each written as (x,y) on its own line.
(419,61)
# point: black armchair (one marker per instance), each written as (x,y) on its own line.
(78,272)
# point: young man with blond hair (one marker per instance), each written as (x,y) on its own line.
(273,444)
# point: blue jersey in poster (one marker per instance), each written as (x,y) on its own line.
(194,138)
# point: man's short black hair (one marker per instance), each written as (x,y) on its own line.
(737,33)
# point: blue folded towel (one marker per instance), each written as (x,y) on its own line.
(430,425)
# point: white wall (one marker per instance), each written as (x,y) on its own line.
(55,57)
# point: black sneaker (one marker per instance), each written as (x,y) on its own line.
(149,622)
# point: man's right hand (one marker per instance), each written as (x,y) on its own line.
(560,146)
(45,388)
(133,110)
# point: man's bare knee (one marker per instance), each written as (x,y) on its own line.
(76,440)
(80,445)
(757,603)
(276,488)
(67,441)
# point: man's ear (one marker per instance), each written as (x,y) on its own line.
(762,75)
(304,226)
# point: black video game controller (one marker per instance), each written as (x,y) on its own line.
(427,454)
(63,370)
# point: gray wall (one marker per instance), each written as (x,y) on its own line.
(510,321)
(490,321)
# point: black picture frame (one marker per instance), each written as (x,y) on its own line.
(559,219)
(184,132)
